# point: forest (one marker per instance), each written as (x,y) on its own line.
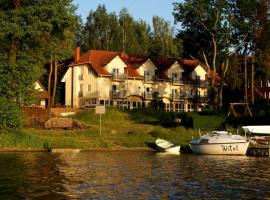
(38,37)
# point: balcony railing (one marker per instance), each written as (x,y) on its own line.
(177,81)
(202,98)
(117,76)
(148,95)
(176,97)
(150,78)
(119,94)
(187,96)
(200,83)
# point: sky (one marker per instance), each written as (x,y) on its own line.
(139,9)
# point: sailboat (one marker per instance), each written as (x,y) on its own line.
(220,143)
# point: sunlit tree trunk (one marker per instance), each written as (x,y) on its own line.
(50,79)
(55,82)
(246,84)
(252,77)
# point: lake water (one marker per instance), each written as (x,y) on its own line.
(132,175)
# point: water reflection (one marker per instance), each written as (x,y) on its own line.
(132,175)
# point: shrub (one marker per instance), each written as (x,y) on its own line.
(11,115)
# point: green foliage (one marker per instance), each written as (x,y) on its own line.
(11,115)
(163,43)
(207,121)
(108,31)
(32,33)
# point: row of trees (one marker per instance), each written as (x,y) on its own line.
(231,36)
(109,31)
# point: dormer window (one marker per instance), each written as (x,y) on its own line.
(115,71)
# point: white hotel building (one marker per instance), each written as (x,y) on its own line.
(129,81)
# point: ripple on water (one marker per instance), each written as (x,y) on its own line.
(132,175)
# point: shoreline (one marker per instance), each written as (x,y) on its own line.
(95,149)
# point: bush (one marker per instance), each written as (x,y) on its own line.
(11,115)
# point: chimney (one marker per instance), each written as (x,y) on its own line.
(77,54)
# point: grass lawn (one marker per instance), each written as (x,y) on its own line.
(119,129)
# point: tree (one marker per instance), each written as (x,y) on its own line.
(163,43)
(101,31)
(212,21)
(26,26)
(61,41)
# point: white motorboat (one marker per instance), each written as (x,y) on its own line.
(262,130)
(166,146)
(220,143)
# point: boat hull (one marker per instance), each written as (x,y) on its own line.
(166,146)
(237,148)
(173,150)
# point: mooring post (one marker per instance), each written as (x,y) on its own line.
(269,147)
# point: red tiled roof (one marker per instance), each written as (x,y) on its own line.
(43,95)
(162,63)
(133,61)
(98,59)
(210,75)
(132,73)
(189,64)
(163,76)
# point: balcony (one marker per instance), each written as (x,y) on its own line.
(148,95)
(118,77)
(200,83)
(187,96)
(80,94)
(176,97)
(177,81)
(119,94)
(150,78)
(202,99)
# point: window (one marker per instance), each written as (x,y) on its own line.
(184,75)
(146,73)
(89,71)
(89,88)
(115,71)
(81,74)
(81,87)
(114,87)
(80,94)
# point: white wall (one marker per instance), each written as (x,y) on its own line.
(118,63)
(175,68)
(148,66)
(199,71)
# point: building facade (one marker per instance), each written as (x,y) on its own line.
(129,81)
